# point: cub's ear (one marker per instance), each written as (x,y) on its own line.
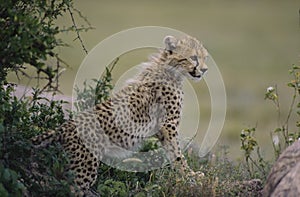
(170,43)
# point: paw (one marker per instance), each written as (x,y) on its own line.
(194,178)
(196,175)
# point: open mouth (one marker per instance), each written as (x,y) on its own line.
(199,74)
(193,74)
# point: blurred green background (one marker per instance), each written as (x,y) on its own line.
(254,43)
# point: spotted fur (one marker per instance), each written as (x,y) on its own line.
(149,105)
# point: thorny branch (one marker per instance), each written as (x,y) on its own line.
(77,30)
(58,70)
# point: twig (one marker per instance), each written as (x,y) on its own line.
(291,108)
(57,73)
(83,17)
(115,63)
(77,30)
(276,102)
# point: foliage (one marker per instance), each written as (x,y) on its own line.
(28,37)
(20,119)
(282,136)
(112,188)
(222,178)
(256,167)
(283,132)
(9,183)
(92,95)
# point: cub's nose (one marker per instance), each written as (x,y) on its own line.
(203,70)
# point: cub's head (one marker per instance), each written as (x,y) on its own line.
(187,55)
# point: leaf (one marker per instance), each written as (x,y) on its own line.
(277,130)
(295,67)
(291,85)
(298,124)
(6,175)
(3,191)
(1,128)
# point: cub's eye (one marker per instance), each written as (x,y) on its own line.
(182,60)
(194,58)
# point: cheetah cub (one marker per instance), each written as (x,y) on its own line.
(149,105)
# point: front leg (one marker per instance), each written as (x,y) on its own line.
(168,136)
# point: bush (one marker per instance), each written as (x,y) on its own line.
(285,135)
(28,38)
(21,119)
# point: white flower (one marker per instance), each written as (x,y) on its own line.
(276,140)
(270,89)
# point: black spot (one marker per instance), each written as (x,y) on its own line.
(98,107)
(73,149)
